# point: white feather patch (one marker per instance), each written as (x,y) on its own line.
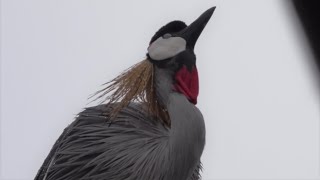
(162,49)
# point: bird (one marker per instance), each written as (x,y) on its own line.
(147,126)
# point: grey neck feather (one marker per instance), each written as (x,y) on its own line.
(187,133)
(163,83)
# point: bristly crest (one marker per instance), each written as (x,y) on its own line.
(136,84)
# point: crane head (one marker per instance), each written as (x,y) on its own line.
(172,47)
(176,37)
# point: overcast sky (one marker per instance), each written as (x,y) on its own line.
(257,83)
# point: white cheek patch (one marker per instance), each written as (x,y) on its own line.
(162,49)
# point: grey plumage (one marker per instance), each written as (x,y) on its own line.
(134,146)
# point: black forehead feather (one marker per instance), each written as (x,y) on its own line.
(171,27)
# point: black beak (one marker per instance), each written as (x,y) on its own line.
(193,31)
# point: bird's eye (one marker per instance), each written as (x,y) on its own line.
(166,36)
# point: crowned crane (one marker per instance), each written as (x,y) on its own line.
(149,128)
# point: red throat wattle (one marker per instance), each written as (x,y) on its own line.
(187,83)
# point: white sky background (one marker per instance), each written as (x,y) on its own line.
(257,90)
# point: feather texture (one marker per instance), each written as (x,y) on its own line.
(132,147)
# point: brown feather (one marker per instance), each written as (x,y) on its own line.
(136,84)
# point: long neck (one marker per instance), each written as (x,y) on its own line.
(187,133)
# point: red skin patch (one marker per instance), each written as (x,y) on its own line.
(187,83)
